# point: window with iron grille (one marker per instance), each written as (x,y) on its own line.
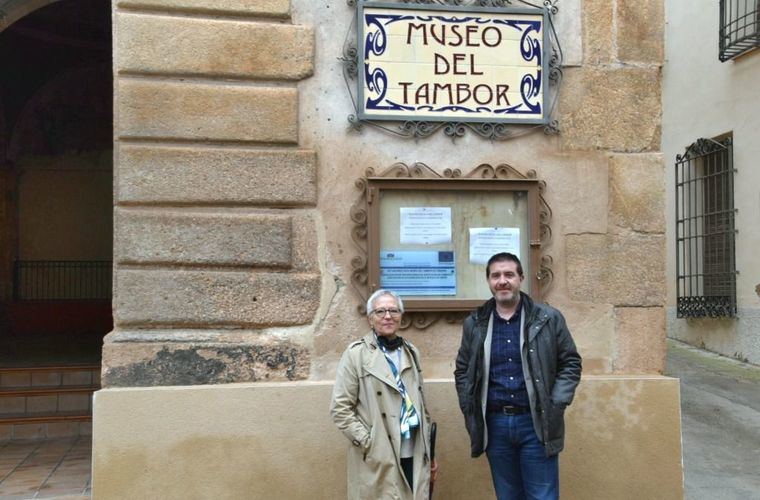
(739,27)
(705,256)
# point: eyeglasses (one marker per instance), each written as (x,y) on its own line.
(380,313)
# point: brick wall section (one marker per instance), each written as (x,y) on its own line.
(214,223)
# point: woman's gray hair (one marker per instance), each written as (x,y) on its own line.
(379,293)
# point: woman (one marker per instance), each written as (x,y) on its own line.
(378,403)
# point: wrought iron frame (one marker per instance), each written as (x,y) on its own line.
(494,131)
(705,230)
(542,277)
(739,29)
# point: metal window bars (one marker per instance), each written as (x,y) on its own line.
(705,230)
(739,27)
(62,280)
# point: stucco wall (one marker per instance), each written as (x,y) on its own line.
(276,441)
(703,97)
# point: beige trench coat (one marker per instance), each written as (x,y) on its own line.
(365,406)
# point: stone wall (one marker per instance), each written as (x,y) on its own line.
(234,182)
(216,275)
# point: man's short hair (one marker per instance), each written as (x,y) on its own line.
(504,257)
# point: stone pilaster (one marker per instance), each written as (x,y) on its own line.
(214,226)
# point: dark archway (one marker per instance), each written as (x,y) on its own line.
(56,176)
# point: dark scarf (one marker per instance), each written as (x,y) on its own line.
(390,345)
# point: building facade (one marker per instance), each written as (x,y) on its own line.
(710,147)
(239,270)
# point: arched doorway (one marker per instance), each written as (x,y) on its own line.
(56,176)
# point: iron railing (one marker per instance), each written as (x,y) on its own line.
(739,27)
(705,246)
(62,280)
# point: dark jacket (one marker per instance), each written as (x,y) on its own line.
(551,365)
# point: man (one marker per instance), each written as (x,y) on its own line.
(516,372)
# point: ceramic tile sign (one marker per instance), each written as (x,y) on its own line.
(442,63)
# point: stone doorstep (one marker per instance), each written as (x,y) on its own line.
(49,376)
(53,429)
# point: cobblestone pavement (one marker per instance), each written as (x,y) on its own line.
(720,418)
(53,468)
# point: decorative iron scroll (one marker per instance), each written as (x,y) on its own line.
(494,131)
(359,215)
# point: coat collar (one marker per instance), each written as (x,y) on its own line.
(376,364)
(484,312)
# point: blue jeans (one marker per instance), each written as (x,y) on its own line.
(519,465)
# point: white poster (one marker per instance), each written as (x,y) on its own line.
(487,241)
(425,225)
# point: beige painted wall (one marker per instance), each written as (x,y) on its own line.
(65,207)
(276,441)
(703,97)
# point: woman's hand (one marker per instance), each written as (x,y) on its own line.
(433,471)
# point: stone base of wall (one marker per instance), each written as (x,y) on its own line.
(276,440)
(732,337)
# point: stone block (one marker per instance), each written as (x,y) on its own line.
(83,377)
(46,378)
(185,175)
(598,31)
(267,8)
(74,402)
(15,379)
(202,111)
(41,404)
(62,429)
(618,270)
(29,431)
(175,298)
(637,192)
(218,48)
(165,237)
(592,326)
(616,109)
(12,405)
(640,340)
(305,241)
(134,364)
(641,31)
